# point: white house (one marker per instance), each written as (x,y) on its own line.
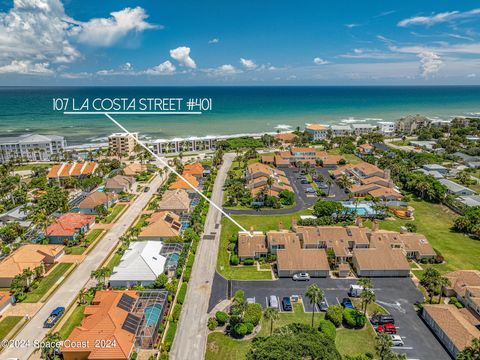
(318,131)
(386,127)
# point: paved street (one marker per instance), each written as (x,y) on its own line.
(68,291)
(397,295)
(191,337)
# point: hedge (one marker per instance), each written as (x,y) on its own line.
(222,317)
(177,309)
(170,336)
(248,262)
(353,318)
(186,274)
(335,315)
(182,293)
(253,314)
(234,259)
(328,328)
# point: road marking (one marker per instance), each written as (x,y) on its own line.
(141,143)
(337,300)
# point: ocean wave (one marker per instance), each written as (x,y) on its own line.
(283,127)
(98,139)
(353,120)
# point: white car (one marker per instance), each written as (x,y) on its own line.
(273,301)
(397,340)
(301,277)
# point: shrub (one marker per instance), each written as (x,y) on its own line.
(234,320)
(170,336)
(454,301)
(190,261)
(353,318)
(240,330)
(212,324)
(182,293)
(231,247)
(187,274)
(253,314)
(248,262)
(234,260)
(222,317)
(177,309)
(335,315)
(249,327)
(328,328)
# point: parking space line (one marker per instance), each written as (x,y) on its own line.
(337,300)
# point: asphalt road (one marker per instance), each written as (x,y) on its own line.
(397,295)
(191,337)
(68,291)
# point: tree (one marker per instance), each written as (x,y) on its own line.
(433,281)
(48,348)
(160,281)
(327,208)
(315,295)
(101,275)
(82,296)
(344,182)
(368,297)
(471,352)
(272,315)
(383,348)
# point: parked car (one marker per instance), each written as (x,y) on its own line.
(301,277)
(387,328)
(251,300)
(382,319)
(347,303)
(397,340)
(287,304)
(273,301)
(323,306)
(147,189)
(355,290)
(54,317)
(310,190)
(304,181)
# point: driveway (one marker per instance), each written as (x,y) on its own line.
(336,192)
(397,295)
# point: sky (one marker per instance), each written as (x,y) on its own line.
(217,42)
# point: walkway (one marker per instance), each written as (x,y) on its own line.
(191,338)
(68,291)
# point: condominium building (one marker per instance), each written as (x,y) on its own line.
(360,129)
(31,147)
(318,131)
(179,145)
(122,143)
(340,130)
(386,127)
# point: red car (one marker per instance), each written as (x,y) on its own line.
(387,328)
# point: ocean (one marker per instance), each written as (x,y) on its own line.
(235,110)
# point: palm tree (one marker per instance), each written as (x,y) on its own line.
(82,296)
(330,183)
(442,282)
(430,280)
(344,182)
(315,295)
(47,350)
(272,315)
(368,297)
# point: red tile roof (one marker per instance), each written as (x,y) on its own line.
(68,224)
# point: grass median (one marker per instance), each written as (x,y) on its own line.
(116,210)
(47,282)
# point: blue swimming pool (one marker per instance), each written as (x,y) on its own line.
(362,209)
(152,314)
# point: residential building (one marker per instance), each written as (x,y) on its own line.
(424,144)
(68,227)
(176,201)
(119,183)
(386,127)
(17,214)
(122,144)
(257,176)
(29,256)
(133,169)
(76,170)
(179,183)
(380,262)
(465,157)
(182,145)
(298,156)
(317,131)
(456,189)
(143,262)
(341,130)
(455,328)
(31,147)
(361,129)
(434,174)
(365,149)
(97,198)
(465,286)
(286,137)
(436,167)
(118,317)
(6,299)
(161,226)
(470,200)
(252,246)
(411,123)
(196,170)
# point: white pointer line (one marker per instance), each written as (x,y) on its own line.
(134,112)
(176,173)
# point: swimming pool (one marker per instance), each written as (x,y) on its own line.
(152,314)
(362,209)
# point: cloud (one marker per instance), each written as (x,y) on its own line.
(214,41)
(223,70)
(350,26)
(430,63)
(165,68)
(182,55)
(80,75)
(26,67)
(472,75)
(248,64)
(444,48)
(320,61)
(438,18)
(369,54)
(127,67)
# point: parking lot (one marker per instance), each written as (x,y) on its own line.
(397,295)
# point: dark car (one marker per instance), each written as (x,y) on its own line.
(347,303)
(286,304)
(323,306)
(54,317)
(382,319)
(147,189)
(305,181)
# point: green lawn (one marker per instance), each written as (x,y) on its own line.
(31,166)
(47,283)
(349,342)
(435,221)
(114,261)
(89,239)
(351,158)
(7,324)
(117,209)
(258,222)
(75,318)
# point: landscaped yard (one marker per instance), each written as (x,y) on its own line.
(47,283)
(89,239)
(351,158)
(7,324)
(258,222)
(435,221)
(349,342)
(75,318)
(114,261)
(117,209)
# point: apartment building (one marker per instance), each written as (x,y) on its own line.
(31,147)
(122,143)
(361,129)
(386,127)
(317,131)
(465,286)
(257,175)
(181,145)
